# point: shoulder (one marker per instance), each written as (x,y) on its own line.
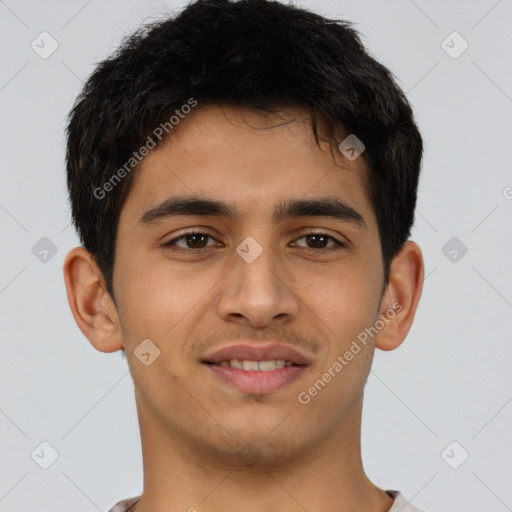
(124,505)
(401,504)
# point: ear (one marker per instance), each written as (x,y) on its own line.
(92,307)
(401,297)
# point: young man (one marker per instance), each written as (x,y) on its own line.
(243,180)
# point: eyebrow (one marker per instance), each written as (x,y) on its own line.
(287,209)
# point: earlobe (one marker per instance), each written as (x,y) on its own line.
(91,305)
(401,297)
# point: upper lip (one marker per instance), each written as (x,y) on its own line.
(260,351)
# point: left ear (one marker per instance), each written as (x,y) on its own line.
(400,300)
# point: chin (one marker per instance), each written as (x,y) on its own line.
(255,450)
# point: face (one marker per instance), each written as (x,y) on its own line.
(272,274)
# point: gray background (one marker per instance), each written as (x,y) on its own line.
(451,379)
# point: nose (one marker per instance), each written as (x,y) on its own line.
(259,292)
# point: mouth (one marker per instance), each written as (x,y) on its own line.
(251,366)
(256,369)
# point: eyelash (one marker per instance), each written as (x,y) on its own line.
(169,245)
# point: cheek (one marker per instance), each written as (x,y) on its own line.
(344,304)
(344,297)
(156,296)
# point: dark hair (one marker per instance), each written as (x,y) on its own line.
(257,53)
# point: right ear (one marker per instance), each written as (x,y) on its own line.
(93,309)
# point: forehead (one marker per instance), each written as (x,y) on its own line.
(252,158)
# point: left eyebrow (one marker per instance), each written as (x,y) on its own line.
(291,208)
(321,207)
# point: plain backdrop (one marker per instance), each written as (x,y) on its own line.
(444,395)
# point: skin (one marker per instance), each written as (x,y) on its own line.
(207,446)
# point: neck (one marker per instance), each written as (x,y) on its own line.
(179,475)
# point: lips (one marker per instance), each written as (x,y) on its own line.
(257,352)
(248,367)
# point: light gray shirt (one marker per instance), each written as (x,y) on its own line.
(399,505)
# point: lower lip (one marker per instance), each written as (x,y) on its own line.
(257,382)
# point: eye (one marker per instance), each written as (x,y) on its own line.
(319,241)
(193,240)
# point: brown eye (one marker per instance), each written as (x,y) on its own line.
(197,241)
(319,241)
(193,241)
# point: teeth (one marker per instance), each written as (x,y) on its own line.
(250,365)
(263,366)
(266,366)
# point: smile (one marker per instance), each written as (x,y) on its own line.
(255,377)
(262,366)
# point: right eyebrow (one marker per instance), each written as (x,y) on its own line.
(180,205)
